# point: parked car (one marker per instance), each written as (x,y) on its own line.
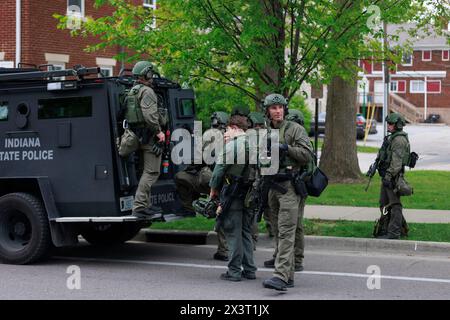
(360,125)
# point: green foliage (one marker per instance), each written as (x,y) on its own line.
(298,102)
(211,97)
(256,46)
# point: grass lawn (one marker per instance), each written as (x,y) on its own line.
(362,149)
(358,229)
(431,191)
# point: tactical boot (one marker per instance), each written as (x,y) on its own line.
(275,283)
(248,275)
(269,263)
(299,268)
(148,213)
(228,277)
(290,283)
(218,256)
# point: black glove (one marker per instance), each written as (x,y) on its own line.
(387,183)
(157,149)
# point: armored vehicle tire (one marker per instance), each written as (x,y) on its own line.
(110,233)
(24,229)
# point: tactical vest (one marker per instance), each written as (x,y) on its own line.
(239,170)
(133,112)
(386,151)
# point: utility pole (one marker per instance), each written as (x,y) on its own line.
(386,78)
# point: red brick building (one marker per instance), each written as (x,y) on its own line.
(32,36)
(420,86)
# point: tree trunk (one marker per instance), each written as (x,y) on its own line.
(339,158)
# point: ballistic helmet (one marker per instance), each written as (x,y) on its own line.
(274,98)
(296,116)
(397,119)
(256,119)
(144,69)
(218,119)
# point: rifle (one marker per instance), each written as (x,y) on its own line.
(371,172)
(375,166)
(229,192)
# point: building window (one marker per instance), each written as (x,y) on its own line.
(417,86)
(445,55)
(75,8)
(398,86)
(151,6)
(55,66)
(407,60)
(426,55)
(434,86)
(107,71)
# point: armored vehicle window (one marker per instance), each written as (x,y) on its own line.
(3,110)
(186,108)
(65,108)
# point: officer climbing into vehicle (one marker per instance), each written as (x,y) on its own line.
(147,122)
(297,116)
(295,155)
(391,160)
(232,180)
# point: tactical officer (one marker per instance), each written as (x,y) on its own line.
(393,156)
(258,121)
(195,180)
(233,182)
(295,154)
(151,134)
(298,117)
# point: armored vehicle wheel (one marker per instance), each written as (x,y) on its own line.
(24,229)
(110,233)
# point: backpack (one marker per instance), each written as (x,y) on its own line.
(133,112)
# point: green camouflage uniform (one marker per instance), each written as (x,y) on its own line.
(295,116)
(152,163)
(393,155)
(287,208)
(237,222)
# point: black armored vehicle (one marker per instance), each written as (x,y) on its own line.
(60,172)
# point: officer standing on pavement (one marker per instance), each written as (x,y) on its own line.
(151,134)
(295,155)
(232,181)
(297,116)
(393,157)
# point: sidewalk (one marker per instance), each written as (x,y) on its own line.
(371,214)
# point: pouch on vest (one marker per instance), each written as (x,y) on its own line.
(402,187)
(317,183)
(133,112)
(413,157)
(129,143)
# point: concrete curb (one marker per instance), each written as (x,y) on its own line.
(314,242)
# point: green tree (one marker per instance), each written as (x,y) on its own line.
(260,46)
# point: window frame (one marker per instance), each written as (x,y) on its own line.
(57,64)
(82,13)
(448,55)
(423,55)
(416,81)
(5,104)
(408,64)
(109,68)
